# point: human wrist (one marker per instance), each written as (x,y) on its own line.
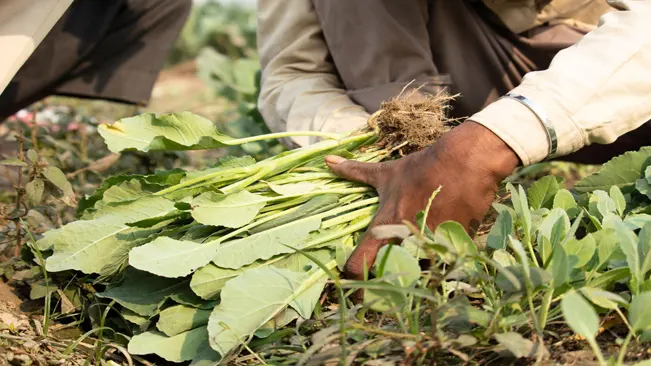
(480,149)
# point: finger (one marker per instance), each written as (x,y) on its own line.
(366,173)
(363,256)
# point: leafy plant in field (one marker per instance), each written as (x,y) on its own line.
(208,264)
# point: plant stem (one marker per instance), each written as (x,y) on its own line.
(622,351)
(279,135)
(544,307)
(20,190)
(597,352)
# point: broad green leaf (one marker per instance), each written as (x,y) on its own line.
(499,233)
(541,193)
(580,251)
(519,346)
(537,275)
(159,179)
(605,204)
(168,257)
(602,298)
(208,281)
(452,234)
(143,292)
(639,312)
(643,186)
(628,242)
(555,228)
(343,251)
(618,198)
(608,278)
(32,155)
(232,210)
(560,267)
(13,162)
(621,171)
(607,245)
(90,245)
(142,322)
(264,245)
(56,177)
(279,321)
(34,191)
(580,315)
(207,357)
(644,248)
(564,200)
(292,188)
(402,270)
(178,319)
(125,191)
(504,258)
(240,314)
(39,289)
(189,298)
(637,221)
(181,347)
(175,131)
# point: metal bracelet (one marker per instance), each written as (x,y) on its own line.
(552,137)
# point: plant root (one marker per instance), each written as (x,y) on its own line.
(413,121)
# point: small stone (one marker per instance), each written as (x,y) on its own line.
(30,344)
(9,356)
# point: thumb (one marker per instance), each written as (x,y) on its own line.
(353,170)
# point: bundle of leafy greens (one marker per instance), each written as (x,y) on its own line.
(213,255)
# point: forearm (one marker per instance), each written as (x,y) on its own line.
(593,92)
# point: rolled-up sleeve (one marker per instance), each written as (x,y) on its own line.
(593,92)
(300,88)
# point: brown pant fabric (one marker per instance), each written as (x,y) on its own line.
(101,49)
(381,46)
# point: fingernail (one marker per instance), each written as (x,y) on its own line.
(334,159)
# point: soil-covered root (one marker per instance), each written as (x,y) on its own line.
(412,121)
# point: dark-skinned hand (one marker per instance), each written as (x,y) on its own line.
(468,163)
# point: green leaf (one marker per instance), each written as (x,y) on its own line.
(343,250)
(580,315)
(264,245)
(207,357)
(606,279)
(169,132)
(560,267)
(643,186)
(554,227)
(564,200)
(605,204)
(521,207)
(628,244)
(639,312)
(538,277)
(279,321)
(208,281)
(39,290)
(636,221)
(580,251)
(541,193)
(499,233)
(621,171)
(142,322)
(178,319)
(126,191)
(313,206)
(504,258)
(56,177)
(240,314)
(519,346)
(618,197)
(34,191)
(32,155)
(452,234)
(90,245)
(232,210)
(293,188)
(644,249)
(168,257)
(602,298)
(182,347)
(143,292)
(13,162)
(189,298)
(401,269)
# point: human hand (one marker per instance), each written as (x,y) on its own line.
(468,163)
